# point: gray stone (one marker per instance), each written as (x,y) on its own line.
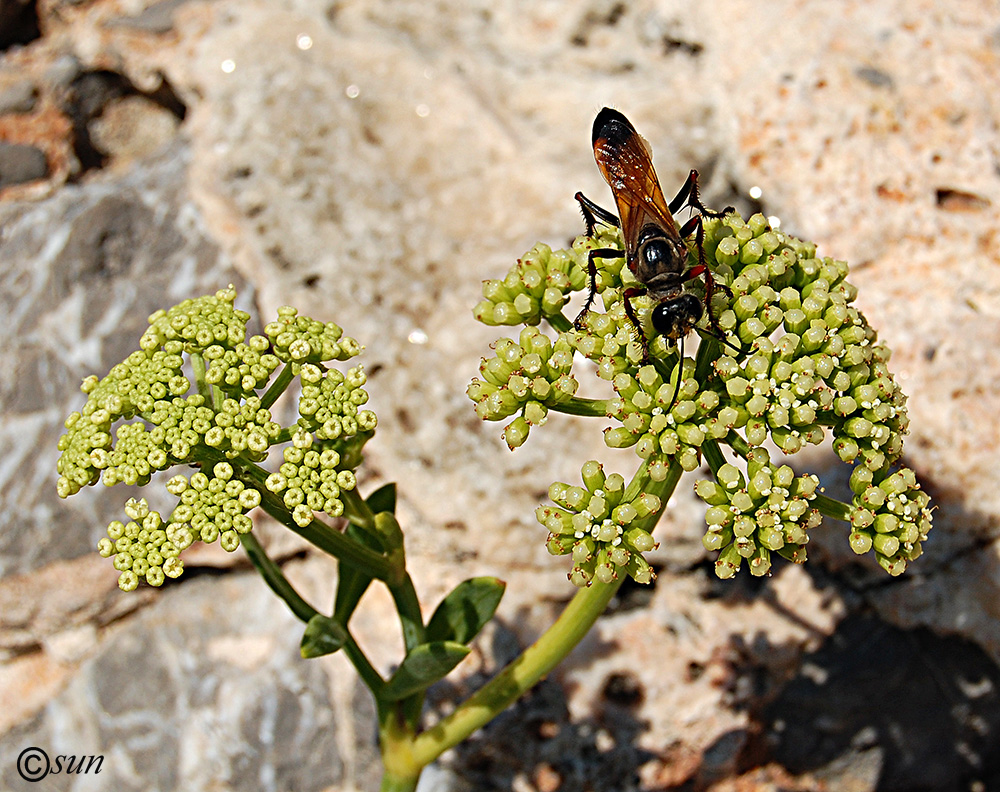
(21,163)
(61,72)
(17,96)
(157,18)
(132,127)
(206,689)
(82,271)
(18,23)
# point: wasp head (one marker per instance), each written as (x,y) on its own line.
(674,318)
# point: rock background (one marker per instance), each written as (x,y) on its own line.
(371,163)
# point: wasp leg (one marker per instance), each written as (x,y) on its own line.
(688,196)
(695,225)
(592,213)
(592,273)
(629,293)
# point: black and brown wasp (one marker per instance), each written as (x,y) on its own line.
(654,247)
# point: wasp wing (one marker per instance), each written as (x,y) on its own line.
(624,160)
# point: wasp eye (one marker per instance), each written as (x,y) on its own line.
(675,318)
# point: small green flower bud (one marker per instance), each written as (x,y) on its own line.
(728,563)
(516,432)
(727,251)
(128,580)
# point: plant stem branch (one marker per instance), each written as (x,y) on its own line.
(519,676)
(357,511)
(204,389)
(277,387)
(591,408)
(713,455)
(404,596)
(276,579)
(831,507)
(538,659)
(738,444)
(373,679)
(560,322)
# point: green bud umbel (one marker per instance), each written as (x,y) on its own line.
(310,480)
(790,359)
(594,524)
(767,511)
(657,425)
(528,377)
(209,509)
(890,515)
(538,286)
(142,418)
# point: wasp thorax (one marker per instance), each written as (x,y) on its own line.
(660,255)
(674,318)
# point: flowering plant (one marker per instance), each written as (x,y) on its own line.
(797,361)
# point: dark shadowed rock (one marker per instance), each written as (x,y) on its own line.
(18,22)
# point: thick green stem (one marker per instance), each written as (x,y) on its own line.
(541,657)
(518,677)
(391,783)
(590,408)
(831,507)
(402,768)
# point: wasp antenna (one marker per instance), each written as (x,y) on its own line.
(736,349)
(680,372)
(720,338)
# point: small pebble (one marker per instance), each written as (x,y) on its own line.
(18,97)
(20,163)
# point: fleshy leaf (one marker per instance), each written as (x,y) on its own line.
(383,499)
(423,666)
(462,614)
(323,636)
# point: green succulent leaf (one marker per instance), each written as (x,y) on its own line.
(323,636)
(462,614)
(423,666)
(383,499)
